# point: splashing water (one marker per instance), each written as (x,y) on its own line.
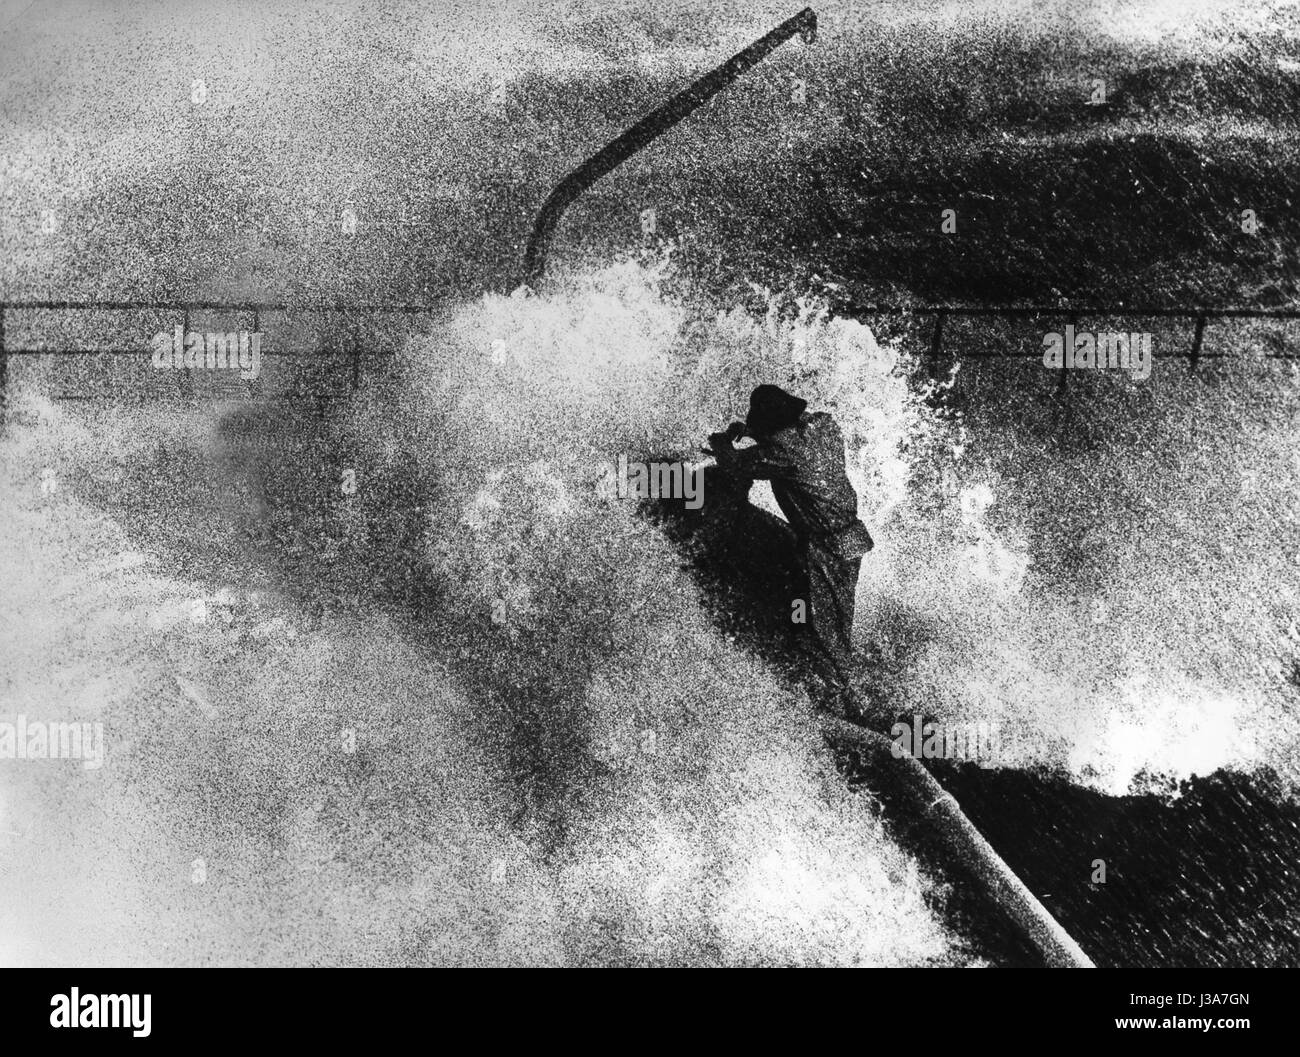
(557,758)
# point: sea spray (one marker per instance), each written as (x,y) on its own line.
(499,804)
(558,757)
(1115,586)
(628,722)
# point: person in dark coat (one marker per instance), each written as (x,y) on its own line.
(802,454)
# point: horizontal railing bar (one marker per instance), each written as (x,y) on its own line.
(341,354)
(1086,311)
(289,398)
(343,359)
(210,306)
(1154,356)
(1154,311)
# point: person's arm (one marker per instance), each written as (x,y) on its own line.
(756,463)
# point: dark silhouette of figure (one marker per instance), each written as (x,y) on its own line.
(802,454)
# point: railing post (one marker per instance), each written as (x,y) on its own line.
(184,381)
(353,330)
(257,326)
(936,339)
(1195,356)
(1069,354)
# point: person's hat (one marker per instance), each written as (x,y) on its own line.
(771,408)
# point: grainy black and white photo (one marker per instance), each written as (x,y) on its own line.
(647,483)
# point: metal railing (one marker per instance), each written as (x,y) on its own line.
(182,312)
(353,349)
